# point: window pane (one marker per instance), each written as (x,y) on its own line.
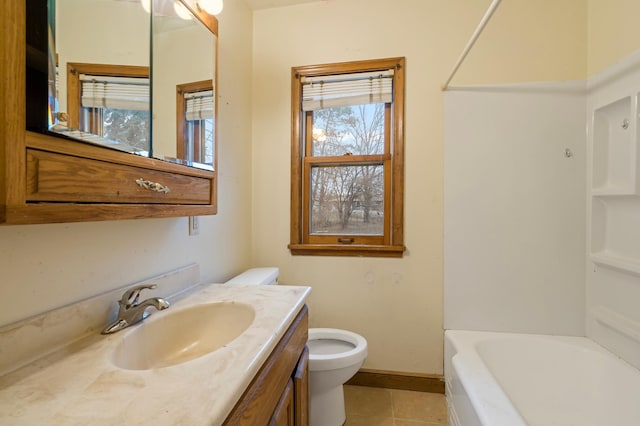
(200,143)
(357,130)
(347,200)
(207,152)
(130,127)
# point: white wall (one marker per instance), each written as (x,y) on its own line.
(514,208)
(395,303)
(47,266)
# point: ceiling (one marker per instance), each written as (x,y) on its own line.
(266,4)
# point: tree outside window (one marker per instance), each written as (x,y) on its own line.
(348,199)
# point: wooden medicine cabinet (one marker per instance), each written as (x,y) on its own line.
(49,178)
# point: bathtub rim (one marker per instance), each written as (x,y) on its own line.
(477,381)
(490,403)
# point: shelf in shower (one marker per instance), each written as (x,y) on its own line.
(613,192)
(616,321)
(620,263)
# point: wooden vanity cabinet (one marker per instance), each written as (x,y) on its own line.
(47,179)
(279,393)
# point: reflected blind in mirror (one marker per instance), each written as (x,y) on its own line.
(130,93)
(199,105)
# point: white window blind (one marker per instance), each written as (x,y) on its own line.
(199,105)
(115,92)
(338,90)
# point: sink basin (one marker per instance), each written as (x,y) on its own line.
(170,338)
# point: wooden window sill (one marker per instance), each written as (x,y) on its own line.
(346,250)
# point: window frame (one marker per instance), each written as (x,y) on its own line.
(391,244)
(74,89)
(182,127)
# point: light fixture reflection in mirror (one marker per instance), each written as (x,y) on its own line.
(181,11)
(212,7)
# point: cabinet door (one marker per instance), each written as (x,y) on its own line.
(283,415)
(301,389)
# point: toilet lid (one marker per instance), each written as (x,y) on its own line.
(329,346)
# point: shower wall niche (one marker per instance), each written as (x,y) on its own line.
(615,190)
(613,276)
(614,149)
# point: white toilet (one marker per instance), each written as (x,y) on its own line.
(334,357)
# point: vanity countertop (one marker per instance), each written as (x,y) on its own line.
(80,385)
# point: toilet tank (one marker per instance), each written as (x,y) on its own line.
(256,276)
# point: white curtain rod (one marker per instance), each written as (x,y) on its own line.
(474,37)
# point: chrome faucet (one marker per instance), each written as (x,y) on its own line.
(132,311)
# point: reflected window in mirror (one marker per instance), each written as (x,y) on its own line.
(112,102)
(171,47)
(195,121)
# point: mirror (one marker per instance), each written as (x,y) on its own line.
(183,69)
(136,76)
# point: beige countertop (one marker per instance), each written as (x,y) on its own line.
(80,385)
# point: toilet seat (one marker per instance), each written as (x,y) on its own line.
(346,348)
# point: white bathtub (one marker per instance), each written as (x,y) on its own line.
(503,379)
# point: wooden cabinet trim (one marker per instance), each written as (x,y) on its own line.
(301,389)
(12,111)
(86,150)
(41,213)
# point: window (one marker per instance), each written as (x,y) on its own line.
(195,124)
(111,101)
(347,159)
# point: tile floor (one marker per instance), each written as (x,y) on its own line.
(368,406)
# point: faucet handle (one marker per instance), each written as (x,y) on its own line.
(130,297)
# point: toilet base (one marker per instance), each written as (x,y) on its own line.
(327,408)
